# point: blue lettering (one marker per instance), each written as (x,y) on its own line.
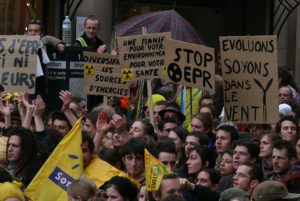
(61,178)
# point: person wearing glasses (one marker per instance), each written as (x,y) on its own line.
(245,151)
(247,177)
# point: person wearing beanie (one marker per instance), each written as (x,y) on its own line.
(232,193)
(272,191)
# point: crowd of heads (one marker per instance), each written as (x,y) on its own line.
(210,159)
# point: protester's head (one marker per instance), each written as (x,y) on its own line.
(87,147)
(84,190)
(159,106)
(91,26)
(61,123)
(284,156)
(288,128)
(198,159)
(90,123)
(258,129)
(206,99)
(202,122)
(247,177)
(266,144)
(195,139)
(173,111)
(285,94)
(166,125)
(178,135)
(174,198)
(166,153)
(107,141)
(21,148)
(35,28)
(208,109)
(141,128)
(208,177)
(112,156)
(245,151)
(78,105)
(232,193)
(105,108)
(226,134)
(226,163)
(170,185)
(121,188)
(272,191)
(133,157)
(11,192)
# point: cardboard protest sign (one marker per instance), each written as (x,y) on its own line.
(18,57)
(144,54)
(102,76)
(249,67)
(190,65)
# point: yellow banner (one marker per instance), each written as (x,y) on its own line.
(155,171)
(63,166)
(100,171)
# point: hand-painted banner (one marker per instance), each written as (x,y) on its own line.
(102,76)
(249,67)
(18,57)
(144,53)
(190,65)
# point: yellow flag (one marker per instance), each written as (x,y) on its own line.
(155,171)
(63,166)
(100,171)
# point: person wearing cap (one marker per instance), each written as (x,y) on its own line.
(288,128)
(284,157)
(232,193)
(272,191)
(173,111)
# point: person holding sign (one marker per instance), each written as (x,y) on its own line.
(36,28)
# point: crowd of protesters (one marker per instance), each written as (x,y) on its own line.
(211,159)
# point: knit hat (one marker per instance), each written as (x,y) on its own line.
(272,191)
(155,99)
(230,193)
(10,190)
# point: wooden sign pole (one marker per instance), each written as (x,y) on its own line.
(149,90)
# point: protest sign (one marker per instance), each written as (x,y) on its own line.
(18,57)
(249,67)
(190,65)
(145,54)
(102,76)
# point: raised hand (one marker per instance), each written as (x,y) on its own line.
(66,97)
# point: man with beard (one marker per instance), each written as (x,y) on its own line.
(283,158)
